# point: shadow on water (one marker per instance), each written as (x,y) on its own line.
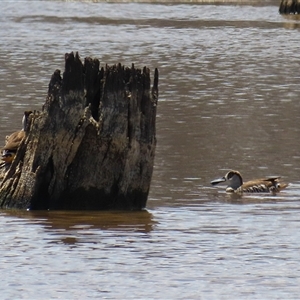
(155,22)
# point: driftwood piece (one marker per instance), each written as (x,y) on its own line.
(92,146)
(289,7)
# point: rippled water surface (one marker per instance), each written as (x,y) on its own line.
(229,99)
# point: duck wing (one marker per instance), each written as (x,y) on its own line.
(275,184)
(264,185)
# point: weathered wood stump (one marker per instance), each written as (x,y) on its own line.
(289,7)
(92,146)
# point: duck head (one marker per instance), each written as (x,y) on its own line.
(25,119)
(233,178)
(8,156)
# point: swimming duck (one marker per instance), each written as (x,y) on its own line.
(264,185)
(13,141)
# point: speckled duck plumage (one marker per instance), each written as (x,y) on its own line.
(263,185)
(13,141)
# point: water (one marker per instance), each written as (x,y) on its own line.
(229,88)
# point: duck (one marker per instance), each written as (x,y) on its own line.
(14,140)
(263,185)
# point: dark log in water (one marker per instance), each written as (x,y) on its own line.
(289,7)
(93,144)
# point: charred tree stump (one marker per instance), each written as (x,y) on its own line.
(92,146)
(289,7)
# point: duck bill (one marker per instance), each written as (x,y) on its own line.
(218,180)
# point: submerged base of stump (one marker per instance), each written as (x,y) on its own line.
(92,146)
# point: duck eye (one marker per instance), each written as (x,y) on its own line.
(229,176)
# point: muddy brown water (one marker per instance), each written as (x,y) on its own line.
(229,99)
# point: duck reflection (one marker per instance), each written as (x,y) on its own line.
(234,198)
